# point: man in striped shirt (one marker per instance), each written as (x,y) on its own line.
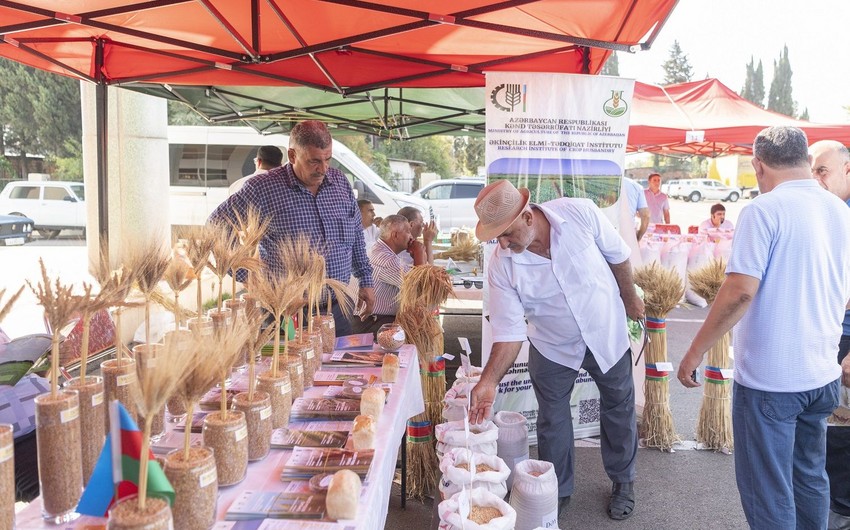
(308,197)
(388,269)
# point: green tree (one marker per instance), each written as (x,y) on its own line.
(181,114)
(780,99)
(805,114)
(468,153)
(39,114)
(612,65)
(435,151)
(677,68)
(753,90)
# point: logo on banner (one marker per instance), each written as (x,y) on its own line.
(616,106)
(508,97)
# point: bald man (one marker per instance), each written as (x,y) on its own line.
(831,168)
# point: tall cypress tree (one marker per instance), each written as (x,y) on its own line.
(753,90)
(677,68)
(612,65)
(779,99)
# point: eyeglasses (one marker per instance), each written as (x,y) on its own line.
(469,283)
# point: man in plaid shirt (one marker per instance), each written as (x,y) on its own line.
(307,196)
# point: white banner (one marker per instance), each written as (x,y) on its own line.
(559,135)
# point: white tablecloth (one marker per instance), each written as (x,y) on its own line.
(404,401)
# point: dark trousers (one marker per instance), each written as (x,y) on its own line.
(838,455)
(553,385)
(371,324)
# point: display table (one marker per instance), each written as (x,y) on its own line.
(403,402)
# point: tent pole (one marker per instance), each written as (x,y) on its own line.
(585,60)
(101,117)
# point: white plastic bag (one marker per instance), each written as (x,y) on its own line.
(534,495)
(456,401)
(512,446)
(650,250)
(482,437)
(455,478)
(701,254)
(473,375)
(451,519)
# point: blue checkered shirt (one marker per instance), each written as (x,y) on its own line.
(330,219)
(17,403)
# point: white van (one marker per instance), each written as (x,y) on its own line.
(205,161)
(52,205)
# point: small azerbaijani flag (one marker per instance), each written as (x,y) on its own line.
(117,469)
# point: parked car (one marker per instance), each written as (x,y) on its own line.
(15,230)
(695,190)
(52,205)
(669,186)
(452,200)
(643,183)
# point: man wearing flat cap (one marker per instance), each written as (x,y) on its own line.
(562,280)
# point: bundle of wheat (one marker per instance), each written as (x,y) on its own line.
(281,293)
(423,290)
(663,288)
(714,428)
(422,461)
(462,249)
(60,305)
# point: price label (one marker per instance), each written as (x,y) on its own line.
(265,413)
(69,415)
(309,354)
(664,367)
(241,433)
(727,373)
(7,452)
(285,388)
(126,379)
(299,369)
(207,477)
(448,356)
(464,344)
(97,399)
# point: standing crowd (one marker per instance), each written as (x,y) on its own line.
(561,279)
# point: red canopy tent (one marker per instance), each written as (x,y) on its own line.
(718,120)
(343,46)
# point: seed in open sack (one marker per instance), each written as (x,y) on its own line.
(483,514)
(478,467)
(535,473)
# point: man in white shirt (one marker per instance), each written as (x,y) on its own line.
(371,232)
(659,205)
(388,270)
(562,268)
(787,285)
(268,157)
(637,204)
(831,168)
(717,221)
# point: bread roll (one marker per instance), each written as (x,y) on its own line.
(389,369)
(343,495)
(363,433)
(372,402)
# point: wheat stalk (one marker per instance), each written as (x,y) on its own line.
(178,275)
(157,383)
(224,248)
(5,308)
(150,262)
(60,305)
(198,243)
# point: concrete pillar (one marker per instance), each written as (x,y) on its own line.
(138,172)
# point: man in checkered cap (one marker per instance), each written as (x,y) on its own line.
(562,280)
